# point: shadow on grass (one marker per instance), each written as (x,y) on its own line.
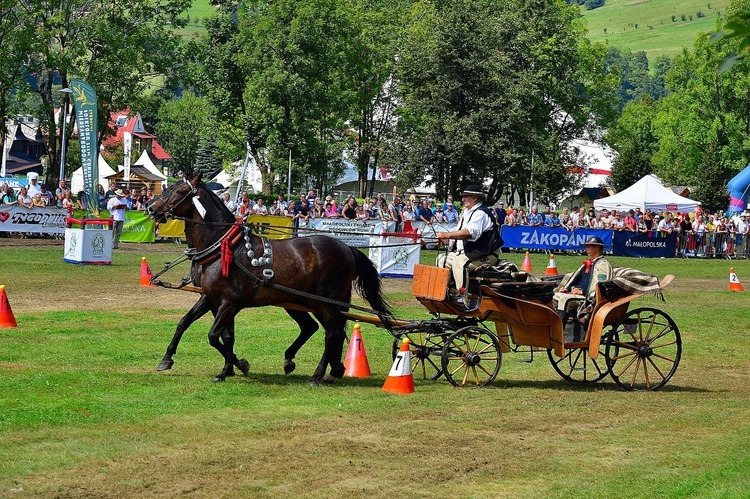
(604,385)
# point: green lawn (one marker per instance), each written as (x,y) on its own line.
(83,412)
(656,33)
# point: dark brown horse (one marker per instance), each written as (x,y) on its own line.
(238,270)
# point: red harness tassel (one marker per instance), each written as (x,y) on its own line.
(226,250)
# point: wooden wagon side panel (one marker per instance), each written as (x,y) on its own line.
(430,282)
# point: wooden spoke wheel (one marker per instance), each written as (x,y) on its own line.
(425,348)
(578,367)
(471,357)
(643,350)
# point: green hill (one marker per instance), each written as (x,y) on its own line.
(648,25)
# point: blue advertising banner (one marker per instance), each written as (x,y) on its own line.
(547,238)
(651,244)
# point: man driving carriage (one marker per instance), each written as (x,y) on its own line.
(474,243)
(580,286)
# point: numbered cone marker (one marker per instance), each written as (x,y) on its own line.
(734,282)
(356,358)
(400,380)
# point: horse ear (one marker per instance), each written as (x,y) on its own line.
(196,179)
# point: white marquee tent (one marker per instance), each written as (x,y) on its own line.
(76,181)
(145,161)
(647,194)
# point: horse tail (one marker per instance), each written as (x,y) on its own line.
(368,284)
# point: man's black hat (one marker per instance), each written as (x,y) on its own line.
(594,240)
(473,190)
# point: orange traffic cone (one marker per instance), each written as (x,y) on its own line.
(551,266)
(145,274)
(526,265)
(400,380)
(734,282)
(6,314)
(356,358)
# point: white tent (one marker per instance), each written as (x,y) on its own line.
(647,194)
(76,181)
(145,161)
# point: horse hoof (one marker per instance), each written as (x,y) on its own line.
(338,371)
(217,379)
(289,366)
(313,382)
(165,365)
(329,379)
(244,366)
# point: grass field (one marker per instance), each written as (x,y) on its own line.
(84,414)
(655,33)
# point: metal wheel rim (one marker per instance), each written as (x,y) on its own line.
(643,350)
(471,357)
(428,367)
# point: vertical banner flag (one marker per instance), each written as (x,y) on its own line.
(127,141)
(84,99)
(5,156)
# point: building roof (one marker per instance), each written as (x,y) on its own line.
(125,121)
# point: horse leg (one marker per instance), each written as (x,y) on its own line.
(307,327)
(223,329)
(334,347)
(201,307)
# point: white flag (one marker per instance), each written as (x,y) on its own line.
(127,141)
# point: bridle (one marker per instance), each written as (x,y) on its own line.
(169,214)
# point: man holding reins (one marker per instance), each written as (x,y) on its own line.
(474,242)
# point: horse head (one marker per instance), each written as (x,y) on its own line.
(175,201)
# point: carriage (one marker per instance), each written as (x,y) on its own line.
(639,348)
(233,268)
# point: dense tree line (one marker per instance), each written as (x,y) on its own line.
(457,91)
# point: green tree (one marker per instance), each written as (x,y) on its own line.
(184,124)
(633,138)
(14,37)
(118,48)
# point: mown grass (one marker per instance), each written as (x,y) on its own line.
(83,412)
(655,33)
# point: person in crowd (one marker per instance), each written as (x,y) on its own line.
(110,191)
(329,210)
(721,233)
(631,223)
(685,225)
(24,199)
(583,220)
(37,201)
(521,217)
(439,217)
(699,233)
(245,207)
(566,222)
(574,216)
(580,286)
(128,199)
(596,222)
(534,219)
(67,202)
(302,211)
(648,220)
(450,214)
(7,195)
(81,199)
(510,219)
(227,198)
(711,236)
(500,213)
(607,219)
(60,193)
(476,240)
(424,213)
(551,219)
(102,197)
(259,208)
(394,212)
(117,208)
(360,213)
(618,222)
(407,214)
(47,196)
(350,209)
(666,225)
(311,197)
(33,186)
(141,200)
(282,206)
(742,244)
(449,200)
(638,215)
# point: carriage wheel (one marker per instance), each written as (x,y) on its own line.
(578,367)
(471,357)
(425,348)
(643,349)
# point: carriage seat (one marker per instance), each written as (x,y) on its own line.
(535,291)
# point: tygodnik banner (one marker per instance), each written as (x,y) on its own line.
(84,99)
